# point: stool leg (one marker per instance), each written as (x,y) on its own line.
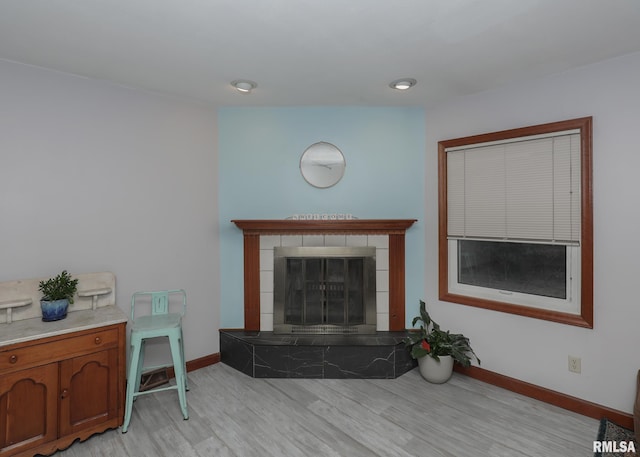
(186,380)
(133,379)
(180,372)
(140,367)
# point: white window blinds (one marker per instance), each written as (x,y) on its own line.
(524,190)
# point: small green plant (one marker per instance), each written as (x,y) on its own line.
(432,341)
(59,288)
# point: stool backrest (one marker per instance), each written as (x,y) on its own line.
(160,301)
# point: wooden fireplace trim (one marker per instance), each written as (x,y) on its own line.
(254,228)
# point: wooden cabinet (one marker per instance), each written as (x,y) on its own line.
(28,408)
(58,389)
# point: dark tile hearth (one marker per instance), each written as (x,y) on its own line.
(264,355)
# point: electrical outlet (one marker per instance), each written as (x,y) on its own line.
(574,364)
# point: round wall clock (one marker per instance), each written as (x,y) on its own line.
(322,164)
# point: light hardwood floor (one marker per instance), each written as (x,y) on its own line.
(235,415)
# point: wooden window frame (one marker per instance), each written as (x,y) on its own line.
(585,317)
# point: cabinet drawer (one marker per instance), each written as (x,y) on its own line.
(38,354)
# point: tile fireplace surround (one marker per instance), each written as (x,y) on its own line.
(257,352)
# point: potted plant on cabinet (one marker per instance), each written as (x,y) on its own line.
(57,294)
(436,349)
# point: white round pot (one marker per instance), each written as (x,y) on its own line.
(436,371)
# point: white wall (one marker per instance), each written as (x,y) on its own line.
(97,177)
(534,350)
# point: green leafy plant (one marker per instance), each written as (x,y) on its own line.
(59,288)
(431,340)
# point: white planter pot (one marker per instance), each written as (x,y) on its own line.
(436,371)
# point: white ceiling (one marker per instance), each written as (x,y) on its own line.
(316,52)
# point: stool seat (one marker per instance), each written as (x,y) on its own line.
(160,323)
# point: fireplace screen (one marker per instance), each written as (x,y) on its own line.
(324,290)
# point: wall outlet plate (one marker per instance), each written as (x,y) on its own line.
(574,364)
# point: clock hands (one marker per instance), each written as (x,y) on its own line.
(328,165)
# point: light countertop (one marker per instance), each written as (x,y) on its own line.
(35,328)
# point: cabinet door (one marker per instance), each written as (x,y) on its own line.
(28,408)
(88,391)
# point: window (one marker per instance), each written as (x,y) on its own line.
(515,221)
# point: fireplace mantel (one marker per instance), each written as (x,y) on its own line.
(254,228)
(350,226)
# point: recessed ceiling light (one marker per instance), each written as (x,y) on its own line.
(403,84)
(243,85)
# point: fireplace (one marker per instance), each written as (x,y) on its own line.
(255,231)
(352,247)
(324,290)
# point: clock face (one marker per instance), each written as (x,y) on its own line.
(322,164)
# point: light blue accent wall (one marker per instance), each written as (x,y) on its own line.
(259,178)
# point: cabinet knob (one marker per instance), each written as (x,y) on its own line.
(65,393)
(13,359)
(98,340)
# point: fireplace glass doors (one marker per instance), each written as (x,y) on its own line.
(324,290)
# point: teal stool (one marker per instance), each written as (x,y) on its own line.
(160,323)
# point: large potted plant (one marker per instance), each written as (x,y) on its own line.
(57,294)
(436,350)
